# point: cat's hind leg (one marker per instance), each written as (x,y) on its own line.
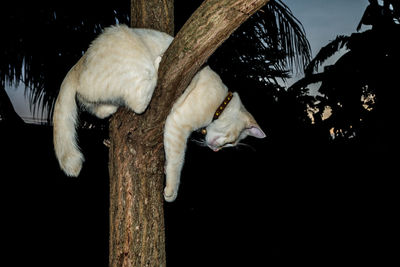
(138,98)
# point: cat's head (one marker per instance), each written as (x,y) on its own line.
(234,124)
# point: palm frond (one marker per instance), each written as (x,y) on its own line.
(44,42)
(326,52)
(264,48)
(289,33)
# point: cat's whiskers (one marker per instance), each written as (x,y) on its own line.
(241,145)
(237,146)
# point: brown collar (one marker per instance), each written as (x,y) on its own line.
(219,110)
(223,105)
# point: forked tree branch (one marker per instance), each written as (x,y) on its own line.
(136,155)
(209,26)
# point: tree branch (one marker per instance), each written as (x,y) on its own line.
(209,26)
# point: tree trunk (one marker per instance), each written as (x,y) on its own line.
(136,153)
(137,235)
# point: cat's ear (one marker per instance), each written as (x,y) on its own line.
(255,130)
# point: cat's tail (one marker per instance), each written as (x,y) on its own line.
(64,125)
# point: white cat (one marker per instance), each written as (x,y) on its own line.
(120,69)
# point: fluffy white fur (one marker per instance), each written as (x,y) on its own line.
(120,68)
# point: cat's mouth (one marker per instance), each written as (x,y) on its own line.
(214,148)
(218,148)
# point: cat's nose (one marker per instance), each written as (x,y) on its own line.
(214,144)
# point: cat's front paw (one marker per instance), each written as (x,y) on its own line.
(170,194)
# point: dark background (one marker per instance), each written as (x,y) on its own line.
(295,197)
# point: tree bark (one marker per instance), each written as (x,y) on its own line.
(136,154)
(153,14)
(137,235)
